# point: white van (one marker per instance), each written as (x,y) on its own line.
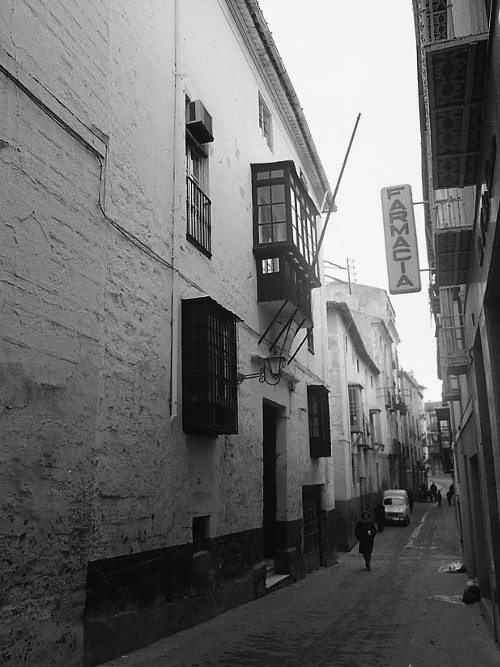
(397,506)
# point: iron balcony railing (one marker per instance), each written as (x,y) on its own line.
(437,17)
(198,212)
(443,20)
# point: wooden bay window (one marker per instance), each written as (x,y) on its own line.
(209,368)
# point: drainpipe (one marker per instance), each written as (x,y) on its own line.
(175,220)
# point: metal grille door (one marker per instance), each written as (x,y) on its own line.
(311,504)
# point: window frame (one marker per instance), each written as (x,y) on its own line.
(310,340)
(375,421)
(318,412)
(209,368)
(200,533)
(356,421)
(265,122)
(296,212)
(198,203)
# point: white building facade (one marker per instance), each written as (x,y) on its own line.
(162,208)
(355,422)
(376,408)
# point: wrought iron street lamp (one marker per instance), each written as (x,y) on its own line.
(270,371)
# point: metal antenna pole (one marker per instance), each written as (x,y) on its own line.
(332,202)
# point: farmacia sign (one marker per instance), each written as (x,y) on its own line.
(400,240)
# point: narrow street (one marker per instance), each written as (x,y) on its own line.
(403,613)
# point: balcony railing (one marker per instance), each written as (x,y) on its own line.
(444,20)
(437,17)
(198,213)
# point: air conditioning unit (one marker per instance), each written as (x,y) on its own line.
(199,122)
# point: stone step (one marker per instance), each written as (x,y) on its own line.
(270,569)
(276,581)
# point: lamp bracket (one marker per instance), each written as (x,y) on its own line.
(270,371)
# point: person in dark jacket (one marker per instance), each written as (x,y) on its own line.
(450,493)
(379,511)
(365,531)
(410,498)
(433,489)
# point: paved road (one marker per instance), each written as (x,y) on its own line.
(404,613)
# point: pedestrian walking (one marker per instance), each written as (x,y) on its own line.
(450,493)
(379,511)
(433,488)
(439,497)
(410,498)
(365,531)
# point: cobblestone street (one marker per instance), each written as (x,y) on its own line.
(404,612)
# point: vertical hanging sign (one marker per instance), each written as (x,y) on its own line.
(400,240)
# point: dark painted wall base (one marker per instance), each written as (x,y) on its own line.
(137,599)
(328,538)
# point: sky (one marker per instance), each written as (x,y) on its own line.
(345,59)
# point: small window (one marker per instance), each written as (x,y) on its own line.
(265,122)
(310,340)
(375,427)
(209,368)
(319,421)
(271,265)
(355,409)
(200,533)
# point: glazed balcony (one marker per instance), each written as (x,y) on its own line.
(451,388)
(452,334)
(445,434)
(285,240)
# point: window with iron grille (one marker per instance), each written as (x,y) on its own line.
(198,204)
(319,421)
(209,368)
(437,12)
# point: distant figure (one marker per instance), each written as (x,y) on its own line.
(379,511)
(439,497)
(450,493)
(410,498)
(433,489)
(365,531)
